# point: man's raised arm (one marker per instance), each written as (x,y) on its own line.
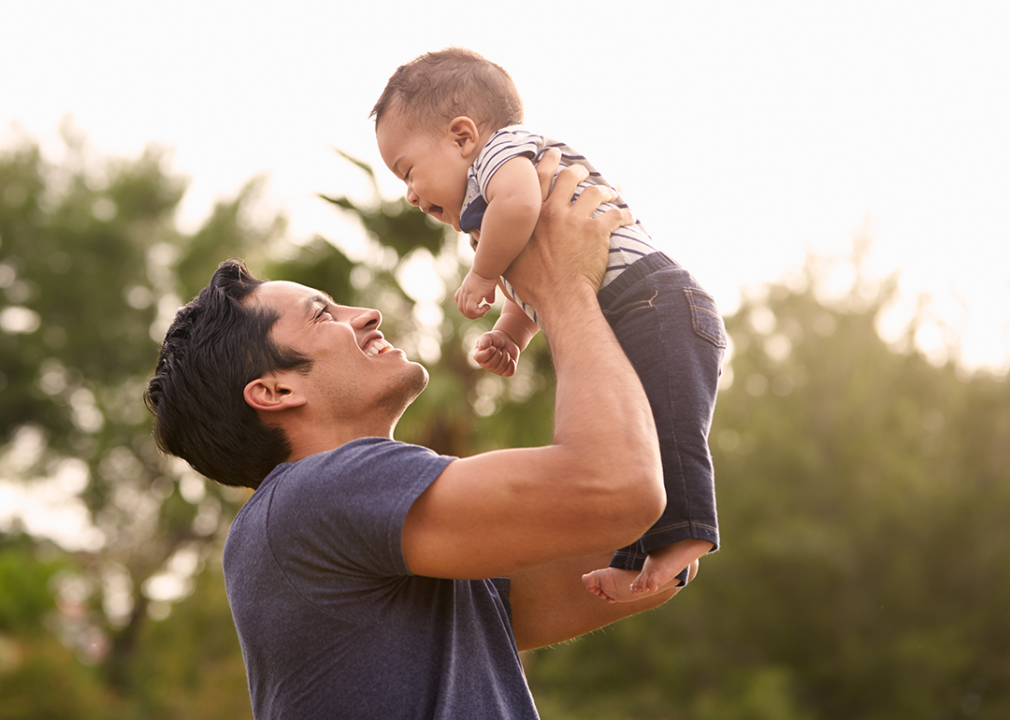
(598,486)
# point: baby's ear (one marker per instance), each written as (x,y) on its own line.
(464,134)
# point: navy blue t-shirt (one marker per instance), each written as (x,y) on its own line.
(331,622)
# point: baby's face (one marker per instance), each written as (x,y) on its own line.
(433,166)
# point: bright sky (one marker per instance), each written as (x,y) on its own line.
(744,134)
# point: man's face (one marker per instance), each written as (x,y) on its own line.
(355,371)
(429,162)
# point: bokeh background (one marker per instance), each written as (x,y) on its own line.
(834,174)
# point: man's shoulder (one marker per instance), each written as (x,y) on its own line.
(359,466)
(365,487)
(369,449)
(360,462)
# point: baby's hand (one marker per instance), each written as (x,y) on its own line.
(497,352)
(474,291)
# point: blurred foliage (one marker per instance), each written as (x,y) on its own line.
(92,269)
(863,491)
(863,501)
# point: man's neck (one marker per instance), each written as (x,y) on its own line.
(310,436)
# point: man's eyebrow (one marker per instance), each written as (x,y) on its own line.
(317,299)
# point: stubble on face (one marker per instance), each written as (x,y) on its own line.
(354,397)
(404,390)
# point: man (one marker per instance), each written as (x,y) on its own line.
(358,572)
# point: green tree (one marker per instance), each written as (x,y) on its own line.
(91,267)
(40,677)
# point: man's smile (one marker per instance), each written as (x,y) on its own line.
(377,346)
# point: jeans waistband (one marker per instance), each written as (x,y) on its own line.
(633,273)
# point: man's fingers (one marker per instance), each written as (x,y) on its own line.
(568,180)
(546,168)
(615,218)
(594,196)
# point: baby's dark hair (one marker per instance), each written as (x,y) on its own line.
(215,345)
(439,86)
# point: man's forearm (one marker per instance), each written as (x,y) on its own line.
(550,604)
(601,410)
(603,427)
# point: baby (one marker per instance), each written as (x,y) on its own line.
(448,125)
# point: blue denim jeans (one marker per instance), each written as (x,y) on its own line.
(672,333)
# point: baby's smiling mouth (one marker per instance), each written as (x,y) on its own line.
(439,213)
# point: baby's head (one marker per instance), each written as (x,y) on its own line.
(432,119)
(431,90)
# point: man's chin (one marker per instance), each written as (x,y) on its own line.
(421,381)
(410,384)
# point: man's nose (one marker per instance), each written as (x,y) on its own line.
(368,318)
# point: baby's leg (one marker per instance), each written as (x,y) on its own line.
(679,371)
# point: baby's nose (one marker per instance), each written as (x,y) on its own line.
(412,197)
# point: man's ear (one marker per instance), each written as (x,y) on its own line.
(269,394)
(464,134)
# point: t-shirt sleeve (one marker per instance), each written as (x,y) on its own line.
(336,519)
(504,145)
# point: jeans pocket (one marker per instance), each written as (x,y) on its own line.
(643,299)
(705,317)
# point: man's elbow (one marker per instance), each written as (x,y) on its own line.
(637,500)
(643,470)
(621,488)
(649,494)
(639,453)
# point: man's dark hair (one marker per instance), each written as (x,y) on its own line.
(215,346)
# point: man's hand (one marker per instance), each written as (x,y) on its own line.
(569,246)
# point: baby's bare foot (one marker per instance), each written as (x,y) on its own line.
(662,566)
(655,574)
(611,584)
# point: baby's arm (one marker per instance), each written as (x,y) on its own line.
(514,202)
(498,350)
